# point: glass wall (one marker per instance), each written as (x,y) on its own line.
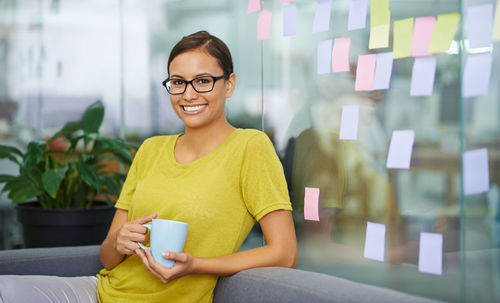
(58,56)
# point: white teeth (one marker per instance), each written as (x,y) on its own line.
(193,108)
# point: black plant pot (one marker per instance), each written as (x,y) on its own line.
(64,227)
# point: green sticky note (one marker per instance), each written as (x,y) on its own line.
(379,12)
(379,36)
(402,36)
(444,31)
(496,24)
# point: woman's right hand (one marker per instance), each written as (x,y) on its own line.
(130,233)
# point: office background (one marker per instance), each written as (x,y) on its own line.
(58,56)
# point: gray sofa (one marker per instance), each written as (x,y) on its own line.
(272,284)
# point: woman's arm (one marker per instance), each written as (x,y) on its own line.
(122,238)
(280,250)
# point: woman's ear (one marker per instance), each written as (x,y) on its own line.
(230,84)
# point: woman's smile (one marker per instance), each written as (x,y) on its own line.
(193,109)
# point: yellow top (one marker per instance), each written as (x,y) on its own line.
(219,195)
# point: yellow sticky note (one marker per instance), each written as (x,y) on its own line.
(379,36)
(403,31)
(444,31)
(496,24)
(379,12)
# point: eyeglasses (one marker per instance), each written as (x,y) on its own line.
(202,84)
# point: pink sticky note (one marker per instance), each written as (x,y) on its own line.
(365,73)
(422,35)
(264,25)
(253,6)
(340,54)
(311,204)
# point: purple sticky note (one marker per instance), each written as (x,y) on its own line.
(311,204)
(321,21)
(253,6)
(357,14)
(264,25)
(479,25)
(349,122)
(365,73)
(422,76)
(477,73)
(290,20)
(400,149)
(476,178)
(430,253)
(340,54)
(324,56)
(374,241)
(422,35)
(383,71)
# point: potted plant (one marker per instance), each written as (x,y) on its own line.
(69,178)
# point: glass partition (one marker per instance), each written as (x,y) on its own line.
(58,56)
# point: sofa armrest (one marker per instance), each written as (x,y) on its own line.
(277,284)
(56,261)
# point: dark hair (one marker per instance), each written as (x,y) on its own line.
(202,40)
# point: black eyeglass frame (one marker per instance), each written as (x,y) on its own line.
(164,83)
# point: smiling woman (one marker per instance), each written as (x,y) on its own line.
(215,177)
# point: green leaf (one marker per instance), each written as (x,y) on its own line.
(33,154)
(89,175)
(6,178)
(68,128)
(92,118)
(10,152)
(116,147)
(112,185)
(25,193)
(51,180)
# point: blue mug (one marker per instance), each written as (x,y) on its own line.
(166,235)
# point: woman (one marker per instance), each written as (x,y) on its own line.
(217,178)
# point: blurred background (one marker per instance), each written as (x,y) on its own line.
(59,56)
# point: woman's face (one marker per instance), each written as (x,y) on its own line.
(200,109)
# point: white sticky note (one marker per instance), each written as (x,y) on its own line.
(349,122)
(383,70)
(400,149)
(430,254)
(321,21)
(311,204)
(375,241)
(476,178)
(357,14)
(324,56)
(422,76)
(477,73)
(479,25)
(290,20)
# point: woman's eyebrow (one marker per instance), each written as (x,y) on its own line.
(176,76)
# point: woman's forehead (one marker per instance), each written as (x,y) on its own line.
(196,62)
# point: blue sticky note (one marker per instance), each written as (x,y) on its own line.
(290,20)
(321,21)
(324,56)
(479,25)
(375,241)
(357,14)
(383,70)
(422,76)
(476,178)
(477,73)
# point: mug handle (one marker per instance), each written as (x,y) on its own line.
(148,226)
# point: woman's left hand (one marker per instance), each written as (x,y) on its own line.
(183,264)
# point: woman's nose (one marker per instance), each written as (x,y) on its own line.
(190,93)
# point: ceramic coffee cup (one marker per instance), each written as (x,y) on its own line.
(166,235)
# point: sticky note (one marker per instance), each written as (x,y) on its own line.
(324,56)
(264,25)
(400,149)
(311,204)
(430,253)
(253,6)
(379,12)
(365,73)
(340,54)
(422,76)
(496,24)
(290,20)
(357,14)
(422,35)
(403,32)
(477,73)
(383,70)
(284,1)
(374,241)
(476,178)
(479,25)
(321,21)
(379,36)
(444,32)
(349,122)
